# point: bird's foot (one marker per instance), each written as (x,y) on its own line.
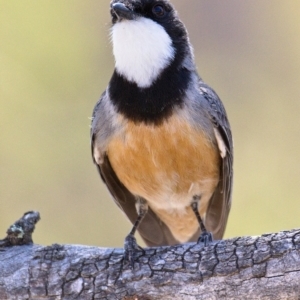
(130,249)
(205,238)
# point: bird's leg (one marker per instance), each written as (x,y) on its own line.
(130,244)
(205,236)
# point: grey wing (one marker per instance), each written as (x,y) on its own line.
(153,231)
(220,203)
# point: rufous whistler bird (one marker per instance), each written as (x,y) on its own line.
(160,135)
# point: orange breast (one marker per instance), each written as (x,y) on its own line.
(167,165)
(169,157)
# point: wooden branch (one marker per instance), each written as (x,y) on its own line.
(265,267)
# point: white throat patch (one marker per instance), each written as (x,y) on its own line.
(142,49)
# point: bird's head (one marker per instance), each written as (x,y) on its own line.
(147,37)
(156,10)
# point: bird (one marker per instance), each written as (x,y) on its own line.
(160,136)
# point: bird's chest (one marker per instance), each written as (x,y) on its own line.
(165,163)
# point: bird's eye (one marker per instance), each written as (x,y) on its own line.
(158,10)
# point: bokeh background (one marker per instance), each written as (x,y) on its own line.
(55,61)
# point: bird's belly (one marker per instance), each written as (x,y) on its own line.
(167,165)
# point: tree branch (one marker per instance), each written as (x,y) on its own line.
(265,267)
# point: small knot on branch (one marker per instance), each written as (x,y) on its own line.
(20,233)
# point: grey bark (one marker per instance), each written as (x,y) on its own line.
(265,267)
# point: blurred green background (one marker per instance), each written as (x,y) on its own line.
(55,61)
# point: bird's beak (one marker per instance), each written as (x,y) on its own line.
(123,12)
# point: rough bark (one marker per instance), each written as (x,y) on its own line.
(265,267)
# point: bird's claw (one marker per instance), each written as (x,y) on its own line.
(205,238)
(130,249)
